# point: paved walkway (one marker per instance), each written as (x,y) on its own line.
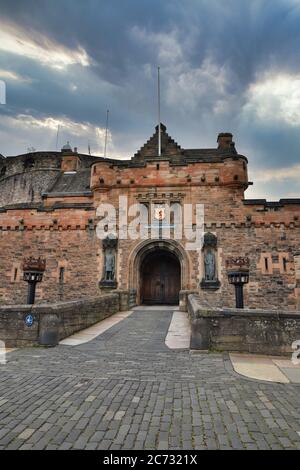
(269,368)
(125,389)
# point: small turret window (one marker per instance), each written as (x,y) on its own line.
(284,262)
(266,264)
(61,275)
(29,163)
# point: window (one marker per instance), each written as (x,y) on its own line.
(28,163)
(15,274)
(157,166)
(284,262)
(266,264)
(61,275)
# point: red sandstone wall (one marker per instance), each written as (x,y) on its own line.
(66,237)
(76,250)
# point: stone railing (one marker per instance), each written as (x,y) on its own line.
(244,330)
(46,324)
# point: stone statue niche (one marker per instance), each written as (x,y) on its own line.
(209,251)
(109,246)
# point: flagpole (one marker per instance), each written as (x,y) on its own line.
(158,96)
(57,136)
(105,144)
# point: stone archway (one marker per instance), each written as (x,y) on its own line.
(171,249)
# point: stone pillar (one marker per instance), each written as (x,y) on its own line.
(183,295)
(123,300)
(49,329)
(200,337)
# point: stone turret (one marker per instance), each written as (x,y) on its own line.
(70,159)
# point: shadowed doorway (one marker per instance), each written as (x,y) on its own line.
(160,278)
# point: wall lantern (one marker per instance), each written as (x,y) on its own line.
(33,270)
(238,275)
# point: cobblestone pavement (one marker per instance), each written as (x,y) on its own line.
(127,390)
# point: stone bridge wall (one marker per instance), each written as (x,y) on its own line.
(68,318)
(244,330)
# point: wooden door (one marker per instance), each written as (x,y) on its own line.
(160,280)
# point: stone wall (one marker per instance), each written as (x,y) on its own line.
(24,178)
(71,251)
(66,237)
(70,316)
(254,331)
(61,226)
(268,288)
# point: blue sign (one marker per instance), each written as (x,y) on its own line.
(29,320)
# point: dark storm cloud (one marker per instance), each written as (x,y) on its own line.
(211,52)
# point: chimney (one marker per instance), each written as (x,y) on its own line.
(70,161)
(225,141)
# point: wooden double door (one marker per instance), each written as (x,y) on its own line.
(160,276)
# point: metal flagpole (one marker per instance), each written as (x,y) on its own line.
(105,145)
(57,135)
(159,129)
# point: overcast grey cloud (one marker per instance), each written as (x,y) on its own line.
(226,65)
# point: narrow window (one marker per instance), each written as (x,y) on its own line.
(284,262)
(266,264)
(61,275)
(15,274)
(157,166)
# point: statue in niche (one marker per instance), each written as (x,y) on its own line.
(210,278)
(109,265)
(210,266)
(109,245)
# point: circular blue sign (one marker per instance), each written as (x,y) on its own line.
(29,319)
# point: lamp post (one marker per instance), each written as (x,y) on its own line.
(238,275)
(33,270)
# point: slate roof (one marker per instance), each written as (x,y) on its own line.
(71,183)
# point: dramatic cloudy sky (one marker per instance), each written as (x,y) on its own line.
(226,65)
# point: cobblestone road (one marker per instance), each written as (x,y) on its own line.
(127,390)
